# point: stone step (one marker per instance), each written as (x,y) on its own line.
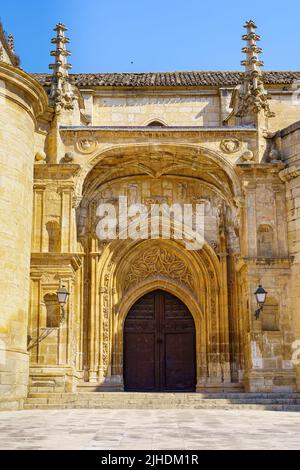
(141,406)
(155,400)
(163,401)
(166,396)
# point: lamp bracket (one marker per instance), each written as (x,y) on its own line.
(258,312)
(34,341)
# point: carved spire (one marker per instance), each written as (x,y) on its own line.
(252,62)
(7,48)
(11,43)
(62,94)
(253,96)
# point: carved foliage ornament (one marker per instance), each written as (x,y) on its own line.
(253,98)
(62,95)
(230,145)
(158,262)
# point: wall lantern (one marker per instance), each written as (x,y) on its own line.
(63,297)
(261,295)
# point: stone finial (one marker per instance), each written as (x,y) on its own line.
(11,43)
(252,63)
(253,96)
(62,94)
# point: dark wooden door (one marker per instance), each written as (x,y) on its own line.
(159,345)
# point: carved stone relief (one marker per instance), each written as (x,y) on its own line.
(151,192)
(159,262)
(87,145)
(230,145)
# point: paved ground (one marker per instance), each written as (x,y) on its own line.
(149,429)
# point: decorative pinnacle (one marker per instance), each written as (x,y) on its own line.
(253,98)
(60,67)
(252,63)
(62,93)
(11,43)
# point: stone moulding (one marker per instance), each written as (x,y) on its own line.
(290,173)
(56,171)
(41,262)
(284,262)
(159,130)
(33,91)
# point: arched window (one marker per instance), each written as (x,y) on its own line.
(54,237)
(156,124)
(265,241)
(270,315)
(52,311)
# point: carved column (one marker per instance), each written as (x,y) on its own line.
(224,322)
(94,320)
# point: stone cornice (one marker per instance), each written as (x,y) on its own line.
(290,129)
(58,261)
(34,96)
(55,172)
(160,130)
(265,262)
(260,169)
(290,173)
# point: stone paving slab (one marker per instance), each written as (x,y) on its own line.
(149,430)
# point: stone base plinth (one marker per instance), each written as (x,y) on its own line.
(52,380)
(13,379)
(266,381)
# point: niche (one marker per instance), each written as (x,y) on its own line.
(54,237)
(265,241)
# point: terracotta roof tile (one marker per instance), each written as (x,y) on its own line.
(169,79)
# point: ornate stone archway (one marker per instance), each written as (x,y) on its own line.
(118,272)
(125,273)
(182,294)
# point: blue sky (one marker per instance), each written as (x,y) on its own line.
(156,35)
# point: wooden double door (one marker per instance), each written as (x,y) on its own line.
(159,345)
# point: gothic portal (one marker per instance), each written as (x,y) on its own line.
(148,313)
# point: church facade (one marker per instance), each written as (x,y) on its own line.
(148,313)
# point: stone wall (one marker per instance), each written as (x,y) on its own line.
(20,101)
(196,107)
(291,176)
(286,106)
(139,108)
